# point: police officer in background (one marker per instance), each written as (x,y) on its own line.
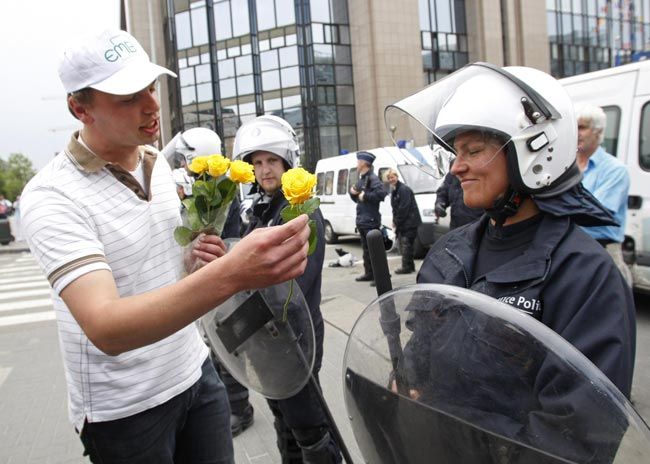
(270,144)
(406,219)
(367,193)
(179,152)
(450,195)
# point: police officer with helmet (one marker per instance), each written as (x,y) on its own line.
(514,152)
(270,144)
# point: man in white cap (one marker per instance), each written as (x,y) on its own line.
(99,218)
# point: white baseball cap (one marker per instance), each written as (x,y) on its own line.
(112,62)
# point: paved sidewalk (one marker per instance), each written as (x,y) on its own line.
(14,247)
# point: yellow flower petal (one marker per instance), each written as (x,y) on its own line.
(298,185)
(199,164)
(241,172)
(217,165)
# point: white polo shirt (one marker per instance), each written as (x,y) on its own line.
(81,214)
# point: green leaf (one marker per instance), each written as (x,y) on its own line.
(226,186)
(201,207)
(193,217)
(183,235)
(313,239)
(289,212)
(200,188)
(216,198)
(311,205)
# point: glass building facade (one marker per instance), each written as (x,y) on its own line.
(444,37)
(587,35)
(237,59)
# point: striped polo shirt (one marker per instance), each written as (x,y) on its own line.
(81,214)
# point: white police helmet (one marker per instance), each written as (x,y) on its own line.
(198,141)
(526,109)
(267,133)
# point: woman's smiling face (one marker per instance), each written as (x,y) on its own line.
(481,167)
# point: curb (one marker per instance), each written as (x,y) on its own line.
(20,247)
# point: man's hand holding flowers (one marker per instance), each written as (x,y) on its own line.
(208,207)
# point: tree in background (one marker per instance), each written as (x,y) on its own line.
(14,175)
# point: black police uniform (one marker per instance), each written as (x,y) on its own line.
(368,216)
(564,279)
(406,217)
(301,416)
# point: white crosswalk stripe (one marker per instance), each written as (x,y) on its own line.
(24,291)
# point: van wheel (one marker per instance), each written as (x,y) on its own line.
(330,235)
(419,251)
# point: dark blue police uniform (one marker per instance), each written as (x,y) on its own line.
(564,279)
(368,215)
(301,415)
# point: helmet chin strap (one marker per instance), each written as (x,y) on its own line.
(505,207)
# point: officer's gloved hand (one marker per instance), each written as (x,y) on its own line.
(440,210)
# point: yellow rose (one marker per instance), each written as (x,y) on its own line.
(242,172)
(199,164)
(298,185)
(217,165)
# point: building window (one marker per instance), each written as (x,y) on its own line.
(275,68)
(443,37)
(587,35)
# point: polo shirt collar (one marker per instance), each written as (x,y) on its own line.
(87,161)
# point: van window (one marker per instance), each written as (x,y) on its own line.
(644,138)
(610,142)
(329,182)
(320,183)
(342,182)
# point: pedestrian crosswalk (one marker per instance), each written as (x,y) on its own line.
(24,291)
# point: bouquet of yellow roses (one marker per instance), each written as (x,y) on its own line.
(212,194)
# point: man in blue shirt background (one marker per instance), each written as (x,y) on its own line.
(606,178)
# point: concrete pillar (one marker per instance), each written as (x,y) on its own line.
(144,21)
(386,54)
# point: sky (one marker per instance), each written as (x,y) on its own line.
(34,119)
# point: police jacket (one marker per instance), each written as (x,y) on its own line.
(565,279)
(450,195)
(267,213)
(406,214)
(368,216)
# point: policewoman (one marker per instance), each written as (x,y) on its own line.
(513,151)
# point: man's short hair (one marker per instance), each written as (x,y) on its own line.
(83,97)
(595,116)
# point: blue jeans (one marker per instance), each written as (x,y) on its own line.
(193,427)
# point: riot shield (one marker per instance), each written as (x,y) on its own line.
(477,381)
(265,338)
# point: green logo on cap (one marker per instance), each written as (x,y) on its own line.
(120,49)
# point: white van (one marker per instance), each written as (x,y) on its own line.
(624,93)
(336,175)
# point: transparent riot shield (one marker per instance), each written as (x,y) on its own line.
(265,342)
(440,374)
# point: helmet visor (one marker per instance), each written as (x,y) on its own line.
(470,115)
